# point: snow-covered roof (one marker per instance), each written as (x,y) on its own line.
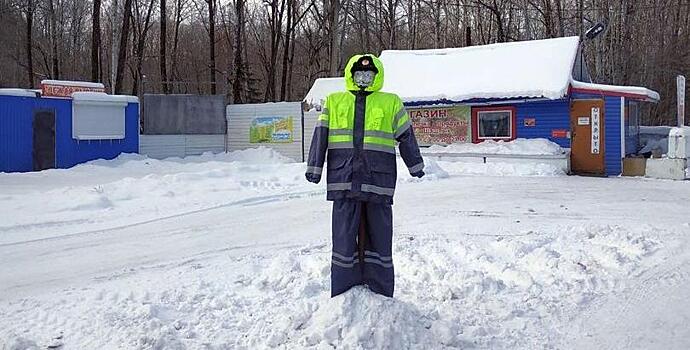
(537,68)
(630,91)
(18,92)
(323,87)
(524,69)
(103,97)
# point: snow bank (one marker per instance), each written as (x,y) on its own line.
(132,188)
(493,291)
(515,147)
(502,168)
(537,68)
(139,189)
(260,155)
(468,158)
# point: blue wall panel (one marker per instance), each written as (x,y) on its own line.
(612,118)
(16,134)
(71,152)
(549,115)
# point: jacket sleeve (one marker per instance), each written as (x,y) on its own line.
(319,145)
(409,149)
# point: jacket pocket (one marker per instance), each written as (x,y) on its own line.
(336,163)
(339,169)
(342,118)
(385,167)
(381,162)
(374,119)
(382,169)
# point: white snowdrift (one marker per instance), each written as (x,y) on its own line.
(485,292)
(520,157)
(515,147)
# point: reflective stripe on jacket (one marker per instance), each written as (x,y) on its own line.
(356,134)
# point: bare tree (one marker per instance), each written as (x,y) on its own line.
(30,9)
(239,76)
(212,43)
(140,34)
(122,54)
(96,41)
(163,44)
(274,49)
(55,59)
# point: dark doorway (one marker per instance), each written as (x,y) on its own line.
(44,140)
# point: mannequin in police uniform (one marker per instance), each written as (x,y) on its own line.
(356,136)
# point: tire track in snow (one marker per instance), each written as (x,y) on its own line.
(619,321)
(243,202)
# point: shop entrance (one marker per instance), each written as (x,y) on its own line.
(44,140)
(587,137)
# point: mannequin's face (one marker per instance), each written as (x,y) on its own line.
(364,78)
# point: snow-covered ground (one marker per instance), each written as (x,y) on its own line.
(232,252)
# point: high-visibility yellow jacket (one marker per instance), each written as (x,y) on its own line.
(357,133)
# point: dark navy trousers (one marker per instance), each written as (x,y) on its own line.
(369,263)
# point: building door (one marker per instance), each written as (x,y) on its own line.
(587,137)
(44,140)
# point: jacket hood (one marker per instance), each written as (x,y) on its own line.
(378,79)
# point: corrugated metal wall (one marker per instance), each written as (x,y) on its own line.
(549,115)
(16,134)
(240,118)
(612,120)
(165,146)
(184,114)
(310,119)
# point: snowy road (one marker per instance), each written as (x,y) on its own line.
(225,254)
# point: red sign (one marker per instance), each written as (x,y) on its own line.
(66,89)
(559,134)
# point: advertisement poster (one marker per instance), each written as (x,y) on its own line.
(446,125)
(271,130)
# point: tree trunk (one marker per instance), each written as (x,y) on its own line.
(286,48)
(290,66)
(212,43)
(334,15)
(176,41)
(54,41)
(163,43)
(141,41)
(122,54)
(29,43)
(96,41)
(239,75)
